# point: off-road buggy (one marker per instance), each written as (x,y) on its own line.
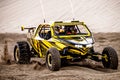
(59,42)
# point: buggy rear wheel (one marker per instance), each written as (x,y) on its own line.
(109,58)
(22,53)
(53,61)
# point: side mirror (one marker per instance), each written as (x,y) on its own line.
(22,28)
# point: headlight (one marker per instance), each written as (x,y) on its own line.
(78,46)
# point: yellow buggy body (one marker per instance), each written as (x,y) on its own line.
(60,42)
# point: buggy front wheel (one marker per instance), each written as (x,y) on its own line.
(53,61)
(109,58)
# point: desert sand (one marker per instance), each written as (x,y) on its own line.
(86,70)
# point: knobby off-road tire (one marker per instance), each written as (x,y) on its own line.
(53,61)
(111,60)
(22,52)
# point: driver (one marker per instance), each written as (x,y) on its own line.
(70,29)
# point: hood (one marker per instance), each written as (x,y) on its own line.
(81,41)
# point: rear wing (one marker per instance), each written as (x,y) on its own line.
(29,29)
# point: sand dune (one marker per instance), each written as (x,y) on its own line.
(99,15)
